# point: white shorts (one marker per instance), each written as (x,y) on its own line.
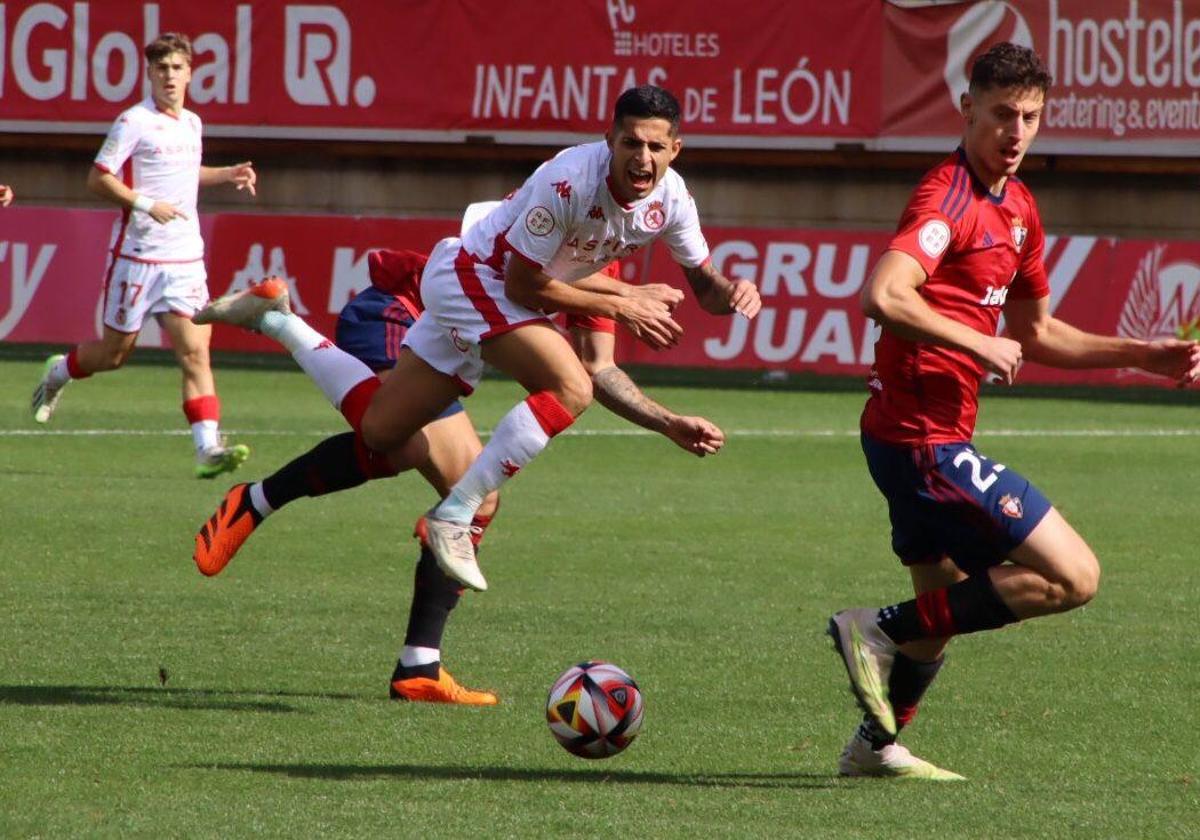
(134,290)
(465,304)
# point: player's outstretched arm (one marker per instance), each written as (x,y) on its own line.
(649,319)
(1048,340)
(6,195)
(110,188)
(720,296)
(890,298)
(614,390)
(241,175)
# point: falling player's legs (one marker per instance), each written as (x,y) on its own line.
(539,358)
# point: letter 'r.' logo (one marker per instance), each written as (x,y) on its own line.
(316,61)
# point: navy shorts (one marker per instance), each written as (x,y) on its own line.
(371,327)
(948,499)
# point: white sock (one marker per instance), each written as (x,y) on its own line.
(412,656)
(333,370)
(58,375)
(517,440)
(204,435)
(259,500)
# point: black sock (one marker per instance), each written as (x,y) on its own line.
(328,467)
(906,686)
(965,607)
(434,596)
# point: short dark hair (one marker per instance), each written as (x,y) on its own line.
(647,101)
(1007,65)
(167,43)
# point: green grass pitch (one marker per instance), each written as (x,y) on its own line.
(708,580)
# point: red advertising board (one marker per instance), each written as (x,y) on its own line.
(774,74)
(1126,72)
(522,70)
(52,265)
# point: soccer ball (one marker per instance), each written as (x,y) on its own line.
(594,709)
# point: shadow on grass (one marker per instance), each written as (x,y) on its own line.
(163,698)
(425,773)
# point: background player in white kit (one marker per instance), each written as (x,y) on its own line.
(150,167)
(486,299)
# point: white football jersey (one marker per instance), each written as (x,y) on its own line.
(565,219)
(158,156)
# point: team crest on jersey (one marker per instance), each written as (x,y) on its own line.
(1019,231)
(655,216)
(1011,506)
(539,221)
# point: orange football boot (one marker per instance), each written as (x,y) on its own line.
(442,690)
(225,531)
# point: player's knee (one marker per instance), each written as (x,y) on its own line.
(378,434)
(575,392)
(1084,583)
(1078,586)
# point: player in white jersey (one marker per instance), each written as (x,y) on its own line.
(150,166)
(487,296)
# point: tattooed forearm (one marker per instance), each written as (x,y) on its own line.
(710,287)
(618,393)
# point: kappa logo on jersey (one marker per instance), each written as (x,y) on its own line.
(539,221)
(597,212)
(655,216)
(1011,506)
(934,237)
(563,188)
(1019,232)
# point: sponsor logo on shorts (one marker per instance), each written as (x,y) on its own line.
(462,346)
(655,216)
(539,221)
(1011,506)
(933,237)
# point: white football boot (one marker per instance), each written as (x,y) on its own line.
(868,654)
(893,761)
(245,308)
(45,398)
(453,549)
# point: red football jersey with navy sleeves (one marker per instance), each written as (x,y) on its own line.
(977,250)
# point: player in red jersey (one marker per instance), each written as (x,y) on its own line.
(371,327)
(983,546)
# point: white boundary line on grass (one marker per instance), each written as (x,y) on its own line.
(785,433)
